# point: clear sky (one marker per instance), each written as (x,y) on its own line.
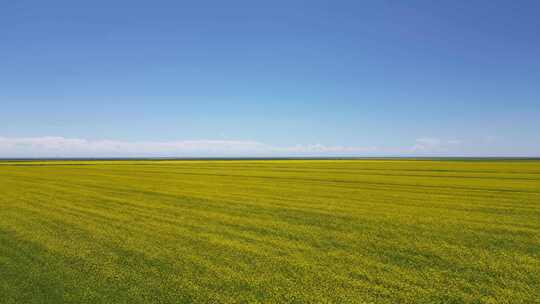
(238,78)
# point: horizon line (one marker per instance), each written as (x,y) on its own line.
(165,158)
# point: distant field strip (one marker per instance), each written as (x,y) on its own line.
(270,231)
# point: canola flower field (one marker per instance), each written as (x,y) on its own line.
(270,231)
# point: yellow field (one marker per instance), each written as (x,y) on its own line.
(280,231)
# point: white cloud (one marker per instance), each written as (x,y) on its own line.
(434,145)
(54,146)
(490,139)
(318,148)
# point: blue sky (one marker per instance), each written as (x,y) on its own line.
(258,78)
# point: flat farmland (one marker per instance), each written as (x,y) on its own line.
(270,231)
